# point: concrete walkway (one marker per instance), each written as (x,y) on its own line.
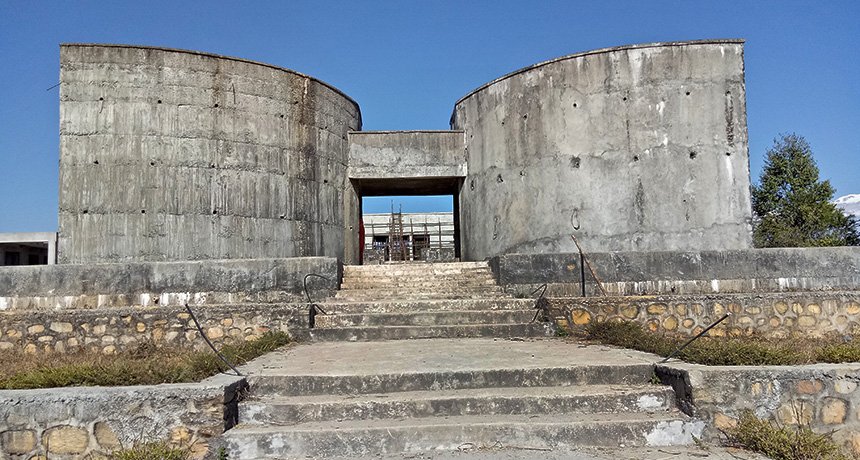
(436,355)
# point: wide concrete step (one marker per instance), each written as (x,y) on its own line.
(397,306)
(425,318)
(588,399)
(409,274)
(273,383)
(416,284)
(421,294)
(364,334)
(376,437)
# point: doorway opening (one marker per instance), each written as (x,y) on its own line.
(399,225)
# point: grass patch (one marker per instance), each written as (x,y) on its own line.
(782,443)
(726,351)
(159,450)
(146,365)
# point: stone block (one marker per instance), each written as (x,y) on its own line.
(69,440)
(61,327)
(105,436)
(18,441)
(833,411)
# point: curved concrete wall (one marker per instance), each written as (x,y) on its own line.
(178,155)
(638,148)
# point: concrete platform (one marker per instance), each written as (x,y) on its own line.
(438,355)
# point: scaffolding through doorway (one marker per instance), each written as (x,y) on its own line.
(409,237)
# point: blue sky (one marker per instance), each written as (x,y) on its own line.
(406,63)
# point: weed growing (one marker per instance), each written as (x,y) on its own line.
(146,365)
(725,351)
(782,443)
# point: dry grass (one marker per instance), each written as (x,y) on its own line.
(782,443)
(727,351)
(152,451)
(146,365)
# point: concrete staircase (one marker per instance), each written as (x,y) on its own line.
(353,399)
(356,392)
(420,300)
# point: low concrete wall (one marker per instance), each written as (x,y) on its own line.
(640,273)
(73,423)
(822,396)
(162,283)
(111,330)
(778,315)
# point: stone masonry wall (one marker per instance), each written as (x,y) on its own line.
(787,314)
(112,330)
(824,397)
(76,423)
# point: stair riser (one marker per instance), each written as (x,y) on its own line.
(425,319)
(536,329)
(353,296)
(256,412)
(407,306)
(349,443)
(274,385)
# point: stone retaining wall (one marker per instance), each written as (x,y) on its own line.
(823,396)
(110,330)
(55,287)
(75,423)
(705,272)
(798,314)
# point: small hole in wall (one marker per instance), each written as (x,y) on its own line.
(499,179)
(523,173)
(728,154)
(216,105)
(688,93)
(625,98)
(635,157)
(158,102)
(503,123)
(211,165)
(282,216)
(101,98)
(525,116)
(214,211)
(282,115)
(143,211)
(693,154)
(85,211)
(472,184)
(574,105)
(96,162)
(152,163)
(575,162)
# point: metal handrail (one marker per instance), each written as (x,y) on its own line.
(209,342)
(313,308)
(681,348)
(541,304)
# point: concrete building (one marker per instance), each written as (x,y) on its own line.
(28,248)
(180,155)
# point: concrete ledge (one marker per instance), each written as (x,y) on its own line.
(406,154)
(154,279)
(90,422)
(748,270)
(822,396)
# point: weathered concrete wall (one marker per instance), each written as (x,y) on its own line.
(822,396)
(112,330)
(638,148)
(639,273)
(406,154)
(75,423)
(144,284)
(177,155)
(777,315)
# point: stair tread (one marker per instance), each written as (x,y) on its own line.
(401,424)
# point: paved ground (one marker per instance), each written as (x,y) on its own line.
(656,453)
(405,356)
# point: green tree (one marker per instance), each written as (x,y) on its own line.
(792,206)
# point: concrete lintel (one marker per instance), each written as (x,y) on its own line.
(406,154)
